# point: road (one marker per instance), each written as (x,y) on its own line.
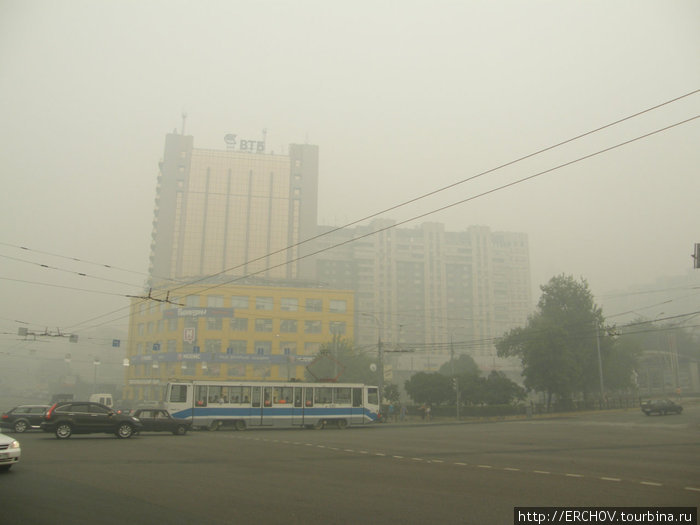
(421,473)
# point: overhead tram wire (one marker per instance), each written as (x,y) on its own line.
(422,215)
(76,259)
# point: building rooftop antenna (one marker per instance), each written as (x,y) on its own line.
(184,118)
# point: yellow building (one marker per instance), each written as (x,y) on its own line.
(231,332)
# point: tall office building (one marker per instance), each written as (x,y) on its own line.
(429,290)
(234,211)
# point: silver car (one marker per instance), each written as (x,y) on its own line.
(9,452)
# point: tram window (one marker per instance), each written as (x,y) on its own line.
(324,395)
(215,394)
(178,393)
(341,396)
(309,395)
(372,396)
(245,394)
(297,396)
(200,396)
(256,397)
(282,395)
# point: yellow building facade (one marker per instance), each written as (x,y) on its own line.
(230,332)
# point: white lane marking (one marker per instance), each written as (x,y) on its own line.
(417,459)
(397,457)
(696,489)
(349,450)
(541,472)
(484,466)
(436,461)
(610,479)
(511,469)
(379,454)
(574,475)
(651,483)
(461,464)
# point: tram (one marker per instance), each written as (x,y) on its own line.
(243,404)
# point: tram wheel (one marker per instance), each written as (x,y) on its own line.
(240,424)
(342,424)
(321,423)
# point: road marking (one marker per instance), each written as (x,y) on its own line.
(574,475)
(363,452)
(651,483)
(512,469)
(696,489)
(349,450)
(610,479)
(461,464)
(379,454)
(397,457)
(417,459)
(320,446)
(541,472)
(484,466)
(437,461)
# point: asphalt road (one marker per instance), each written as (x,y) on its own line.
(403,474)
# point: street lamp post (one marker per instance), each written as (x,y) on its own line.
(380,356)
(95,363)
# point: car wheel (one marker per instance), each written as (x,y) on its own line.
(125,431)
(180,430)
(20,426)
(63,431)
(240,424)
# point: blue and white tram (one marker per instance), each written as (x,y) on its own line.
(243,404)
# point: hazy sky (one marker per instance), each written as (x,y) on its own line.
(401,97)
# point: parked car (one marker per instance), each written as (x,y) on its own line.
(661,407)
(160,420)
(9,452)
(84,417)
(23,418)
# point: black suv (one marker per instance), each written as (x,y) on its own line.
(22,418)
(84,417)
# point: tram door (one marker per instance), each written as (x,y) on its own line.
(266,418)
(256,414)
(298,410)
(357,417)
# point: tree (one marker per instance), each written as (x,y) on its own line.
(338,360)
(559,346)
(433,388)
(499,390)
(464,364)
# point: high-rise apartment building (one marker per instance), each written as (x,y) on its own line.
(431,290)
(234,211)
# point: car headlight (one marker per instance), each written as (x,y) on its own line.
(14,444)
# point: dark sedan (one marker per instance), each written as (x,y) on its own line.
(24,417)
(661,407)
(159,420)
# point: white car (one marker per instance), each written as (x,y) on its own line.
(9,452)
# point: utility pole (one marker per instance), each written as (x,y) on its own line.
(600,364)
(380,351)
(455,381)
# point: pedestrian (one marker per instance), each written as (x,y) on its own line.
(403,413)
(391,412)
(428,412)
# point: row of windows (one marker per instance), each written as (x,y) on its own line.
(241,324)
(244,302)
(271,395)
(234,347)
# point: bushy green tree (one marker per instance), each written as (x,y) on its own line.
(559,346)
(464,364)
(339,360)
(433,388)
